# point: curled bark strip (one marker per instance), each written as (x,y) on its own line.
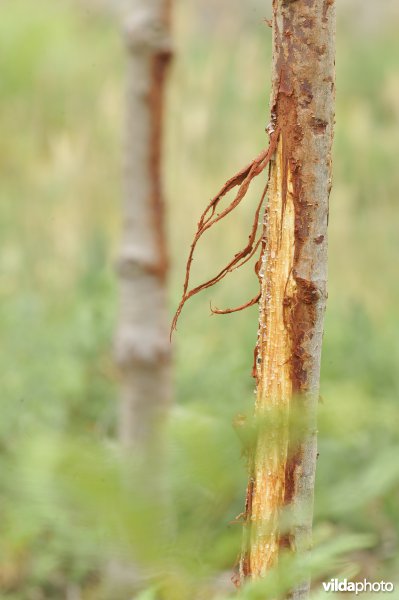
(244,255)
(228,311)
(248,258)
(243,179)
(236,180)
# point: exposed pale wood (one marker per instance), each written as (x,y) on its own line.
(274,372)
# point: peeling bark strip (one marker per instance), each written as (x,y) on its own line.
(294,283)
(209,218)
(142,345)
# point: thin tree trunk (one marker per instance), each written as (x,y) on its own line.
(293,283)
(142,341)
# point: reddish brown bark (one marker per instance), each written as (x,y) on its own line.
(160,64)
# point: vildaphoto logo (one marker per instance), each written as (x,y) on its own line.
(358,587)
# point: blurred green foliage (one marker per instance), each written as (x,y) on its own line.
(68,503)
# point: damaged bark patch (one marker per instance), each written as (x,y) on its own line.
(307,291)
(308,22)
(306,95)
(327,4)
(272,369)
(319,126)
(293,301)
(303,321)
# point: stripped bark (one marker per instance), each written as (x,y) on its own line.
(142,346)
(293,285)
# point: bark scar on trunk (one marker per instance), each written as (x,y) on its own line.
(294,293)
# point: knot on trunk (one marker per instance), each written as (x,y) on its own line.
(135,260)
(307,291)
(147,32)
(141,348)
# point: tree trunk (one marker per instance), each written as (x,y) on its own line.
(294,285)
(142,342)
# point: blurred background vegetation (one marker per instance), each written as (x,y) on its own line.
(67,504)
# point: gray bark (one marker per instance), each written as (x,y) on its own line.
(142,347)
